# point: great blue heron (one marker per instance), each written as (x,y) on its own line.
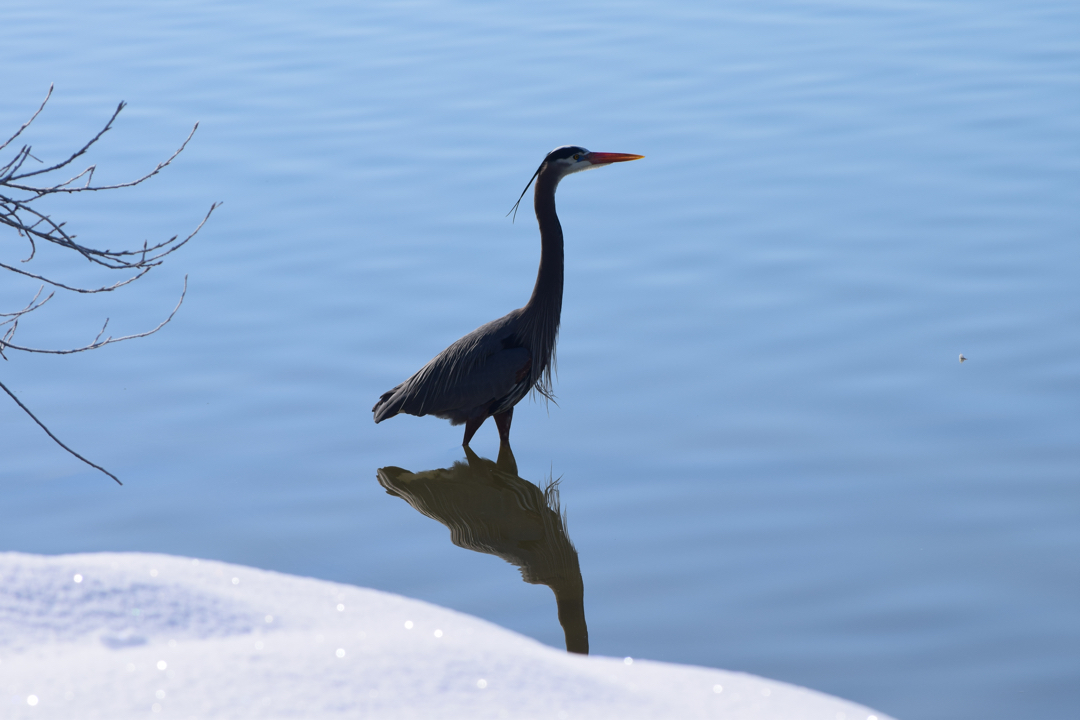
(487,372)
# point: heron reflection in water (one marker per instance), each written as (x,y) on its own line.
(489,509)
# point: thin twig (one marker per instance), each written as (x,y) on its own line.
(32,118)
(78,153)
(62,187)
(54,283)
(107,341)
(30,307)
(55,439)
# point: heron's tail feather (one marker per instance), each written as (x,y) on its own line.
(388,406)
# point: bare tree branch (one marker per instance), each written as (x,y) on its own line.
(16,199)
(20,189)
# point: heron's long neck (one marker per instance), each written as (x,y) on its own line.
(540,316)
(546,300)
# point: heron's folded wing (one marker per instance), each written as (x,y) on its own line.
(462,380)
(469,388)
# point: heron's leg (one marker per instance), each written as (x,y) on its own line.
(502,421)
(471,426)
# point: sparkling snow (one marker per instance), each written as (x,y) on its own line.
(137,635)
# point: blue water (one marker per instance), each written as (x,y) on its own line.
(771,458)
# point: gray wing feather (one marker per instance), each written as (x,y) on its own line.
(461,380)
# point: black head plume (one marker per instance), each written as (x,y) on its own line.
(514,209)
(559,153)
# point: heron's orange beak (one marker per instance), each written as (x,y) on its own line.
(600,158)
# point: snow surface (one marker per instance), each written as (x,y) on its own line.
(136,635)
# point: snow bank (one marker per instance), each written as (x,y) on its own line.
(135,635)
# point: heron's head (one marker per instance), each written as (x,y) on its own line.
(563,161)
(572,158)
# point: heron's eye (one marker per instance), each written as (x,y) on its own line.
(577,156)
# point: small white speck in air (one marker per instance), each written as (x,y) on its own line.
(77,578)
(481,683)
(161,664)
(194,561)
(259,645)
(408,624)
(319,638)
(871,717)
(841,716)
(962,358)
(340,608)
(172,643)
(156,707)
(340,652)
(718,689)
(153,573)
(628,661)
(766,692)
(269,619)
(131,667)
(438,633)
(31,700)
(160,694)
(236,581)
